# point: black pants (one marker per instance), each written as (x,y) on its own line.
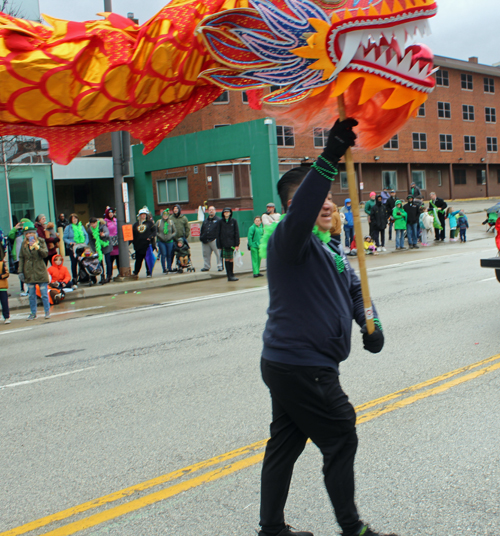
(139,258)
(440,233)
(308,402)
(4,302)
(379,237)
(74,264)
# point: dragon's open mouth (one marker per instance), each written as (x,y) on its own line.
(381,51)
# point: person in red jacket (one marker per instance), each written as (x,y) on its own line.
(60,276)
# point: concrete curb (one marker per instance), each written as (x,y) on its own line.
(139,285)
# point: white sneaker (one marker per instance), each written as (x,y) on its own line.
(379,249)
(7,321)
(23,294)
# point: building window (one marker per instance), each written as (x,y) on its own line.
(21,198)
(490,114)
(421,111)
(470,143)
(444,110)
(285,136)
(226,185)
(393,143)
(223,125)
(344,182)
(466,81)
(460,176)
(445,142)
(244,97)
(492,145)
(481,176)
(223,98)
(172,191)
(489,85)
(419,141)
(320,137)
(390,180)
(468,112)
(442,78)
(418,177)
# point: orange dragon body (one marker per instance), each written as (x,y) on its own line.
(72,81)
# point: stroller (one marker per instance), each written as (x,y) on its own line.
(89,267)
(183,257)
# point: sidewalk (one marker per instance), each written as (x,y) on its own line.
(159,279)
(474,208)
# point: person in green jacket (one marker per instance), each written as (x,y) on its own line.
(400,218)
(32,268)
(368,210)
(254,236)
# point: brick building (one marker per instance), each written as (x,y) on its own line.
(451,147)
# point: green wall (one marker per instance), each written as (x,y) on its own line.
(253,139)
(39,176)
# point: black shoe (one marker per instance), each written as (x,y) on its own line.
(286,532)
(204,269)
(415,247)
(258,275)
(232,278)
(165,271)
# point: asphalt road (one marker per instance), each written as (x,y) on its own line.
(96,404)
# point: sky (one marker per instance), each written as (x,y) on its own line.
(462,28)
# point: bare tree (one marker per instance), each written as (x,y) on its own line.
(6,6)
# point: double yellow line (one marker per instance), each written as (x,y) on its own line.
(239,459)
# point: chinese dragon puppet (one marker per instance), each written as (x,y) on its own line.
(72,81)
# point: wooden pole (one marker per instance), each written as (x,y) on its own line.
(353,192)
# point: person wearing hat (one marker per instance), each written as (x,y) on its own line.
(399,216)
(32,268)
(165,232)
(412,219)
(112,225)
(414,190)
(228,241)
(368,209)
(144,231)
(208,238)
(270,215)
(389,205)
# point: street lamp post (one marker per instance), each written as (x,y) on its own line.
(118,141)
(7,188)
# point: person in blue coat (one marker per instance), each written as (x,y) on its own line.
(348,223)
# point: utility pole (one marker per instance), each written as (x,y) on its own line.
(120,143)
(7,188)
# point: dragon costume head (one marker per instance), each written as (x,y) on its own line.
(318,50)
(72,81)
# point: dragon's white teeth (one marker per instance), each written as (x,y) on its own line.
(351,44)
(393,64)
(405,64)
(365,40)
(371,56)
(387,33)
(400,36)
(415,70)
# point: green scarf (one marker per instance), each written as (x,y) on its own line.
(99,242)
(324,236)
(165,227)
(78,236)
(435,210)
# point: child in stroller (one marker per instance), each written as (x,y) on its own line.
(183,256)
(89,267)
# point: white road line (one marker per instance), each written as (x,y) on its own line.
(489,279)
(27,382)
(14,331)
(175,303)
(22,316)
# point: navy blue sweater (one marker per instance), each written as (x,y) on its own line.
(312,305)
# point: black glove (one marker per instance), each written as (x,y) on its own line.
(341,137)
(374,342)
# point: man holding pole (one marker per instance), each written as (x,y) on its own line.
(307,335)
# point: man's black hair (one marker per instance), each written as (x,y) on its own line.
(290,181)
(92,220)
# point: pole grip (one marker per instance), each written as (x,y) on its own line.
(358,231)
